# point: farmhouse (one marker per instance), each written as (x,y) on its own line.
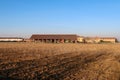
(108,39)
(100,40)
(55,38)
(11,39)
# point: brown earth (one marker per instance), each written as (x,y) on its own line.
(37,61)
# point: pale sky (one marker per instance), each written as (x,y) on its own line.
(22,18)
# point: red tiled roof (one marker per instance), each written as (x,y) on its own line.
(54,36)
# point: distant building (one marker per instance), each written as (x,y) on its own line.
(70,38)
(55,38)
(27,40)
(80,39)
(100,40)
(92,39)
(11,39)
(108,39)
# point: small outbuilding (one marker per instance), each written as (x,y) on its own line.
(80,39)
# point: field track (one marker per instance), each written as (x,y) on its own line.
(37,61)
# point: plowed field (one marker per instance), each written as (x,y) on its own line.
(38,61)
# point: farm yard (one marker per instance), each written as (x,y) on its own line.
(47,61)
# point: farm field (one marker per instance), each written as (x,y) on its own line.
(39,61)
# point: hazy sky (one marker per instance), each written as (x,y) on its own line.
(83,17)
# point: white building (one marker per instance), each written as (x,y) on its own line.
(11,39)
(80,39)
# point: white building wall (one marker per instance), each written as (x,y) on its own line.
(11,40)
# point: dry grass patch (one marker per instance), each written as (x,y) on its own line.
(39,61)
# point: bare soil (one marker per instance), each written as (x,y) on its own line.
(37,61)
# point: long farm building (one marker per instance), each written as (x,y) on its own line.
(55,38)
(70,38)
(11,39)
(60,38)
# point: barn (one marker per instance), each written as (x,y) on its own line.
(54,38)
(11,39)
